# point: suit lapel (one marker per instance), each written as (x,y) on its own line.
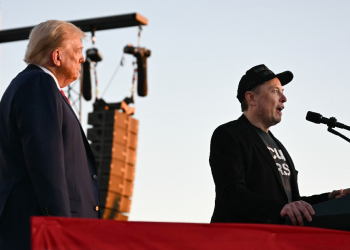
(261,146)
(86,143)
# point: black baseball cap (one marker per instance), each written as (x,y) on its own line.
(258,75)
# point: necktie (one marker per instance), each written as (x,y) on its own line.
(65,96)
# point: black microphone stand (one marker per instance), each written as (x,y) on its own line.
(331,125)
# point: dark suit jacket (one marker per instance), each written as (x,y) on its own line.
(248,185)
(46,164)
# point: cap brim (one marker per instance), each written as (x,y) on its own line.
(285,77)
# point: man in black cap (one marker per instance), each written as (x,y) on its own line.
(254,175)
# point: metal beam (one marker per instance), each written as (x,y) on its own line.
(86,25)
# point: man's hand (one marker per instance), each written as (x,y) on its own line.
(295,210)
(338,193)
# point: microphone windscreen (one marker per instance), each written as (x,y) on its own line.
(313,117)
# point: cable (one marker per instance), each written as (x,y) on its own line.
(122,64)
(139,36)
(114,73)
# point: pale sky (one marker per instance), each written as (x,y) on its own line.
(200,50)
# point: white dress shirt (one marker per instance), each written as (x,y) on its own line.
(50,73)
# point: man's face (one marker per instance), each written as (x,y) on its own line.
(270,102)
(71,59)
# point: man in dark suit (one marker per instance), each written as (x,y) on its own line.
(254,175)
(46,165)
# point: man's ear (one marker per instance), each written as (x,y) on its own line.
(251,98)
(56,57)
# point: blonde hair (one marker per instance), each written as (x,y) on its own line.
(48,36)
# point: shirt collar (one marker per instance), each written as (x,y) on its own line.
(50,73)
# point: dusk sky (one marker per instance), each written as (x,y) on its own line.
(200,50)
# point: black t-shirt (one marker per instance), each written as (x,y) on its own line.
(280,160)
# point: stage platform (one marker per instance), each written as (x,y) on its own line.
(68,233)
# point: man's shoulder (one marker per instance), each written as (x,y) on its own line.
(239,123)
(31,77)
(234,128)
(32,71)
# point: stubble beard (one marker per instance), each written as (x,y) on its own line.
(267,120)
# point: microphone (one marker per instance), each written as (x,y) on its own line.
(318,118)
